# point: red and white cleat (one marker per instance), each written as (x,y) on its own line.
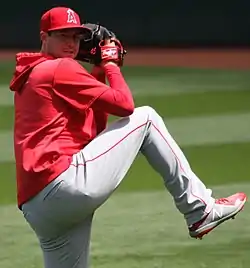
(224,209)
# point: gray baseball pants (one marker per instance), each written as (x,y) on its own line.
(61,215)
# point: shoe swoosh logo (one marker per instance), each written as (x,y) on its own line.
(217,213)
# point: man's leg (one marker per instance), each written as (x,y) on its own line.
(104,162)
(110,155)
(70,249)
(60,223)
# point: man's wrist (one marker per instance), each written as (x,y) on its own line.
(107,63)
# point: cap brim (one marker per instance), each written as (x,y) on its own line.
(81,27)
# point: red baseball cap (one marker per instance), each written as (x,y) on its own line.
(59,18)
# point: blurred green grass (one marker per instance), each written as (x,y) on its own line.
(195,104)
(174,93)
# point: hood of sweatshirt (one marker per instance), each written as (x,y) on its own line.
(25,62)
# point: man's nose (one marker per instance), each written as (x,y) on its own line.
(70,41)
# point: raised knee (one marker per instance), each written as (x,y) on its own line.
(147,110)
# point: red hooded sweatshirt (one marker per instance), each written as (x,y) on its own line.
(59,108)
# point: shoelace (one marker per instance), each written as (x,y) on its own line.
(222,201)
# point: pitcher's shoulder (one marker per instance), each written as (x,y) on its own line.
(51,65)
(68,61)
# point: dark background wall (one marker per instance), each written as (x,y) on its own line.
(138,22)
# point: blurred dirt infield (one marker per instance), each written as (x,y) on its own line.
(195,58)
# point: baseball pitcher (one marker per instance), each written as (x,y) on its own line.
(69,161)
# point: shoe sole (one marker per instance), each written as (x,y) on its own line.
(199,233)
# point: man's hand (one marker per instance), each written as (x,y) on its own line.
(95,48)
(108,46)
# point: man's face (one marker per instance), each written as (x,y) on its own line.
(62,43)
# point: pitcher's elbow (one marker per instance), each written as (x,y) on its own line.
(131,108)
(127,110)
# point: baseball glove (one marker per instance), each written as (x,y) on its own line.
(93,48)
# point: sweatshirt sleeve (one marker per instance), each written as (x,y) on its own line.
(100,76)
(82,91)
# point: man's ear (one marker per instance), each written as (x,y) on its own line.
(43,36)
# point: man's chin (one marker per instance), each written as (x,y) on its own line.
(68,55)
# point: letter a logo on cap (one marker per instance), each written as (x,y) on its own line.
(71,16)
